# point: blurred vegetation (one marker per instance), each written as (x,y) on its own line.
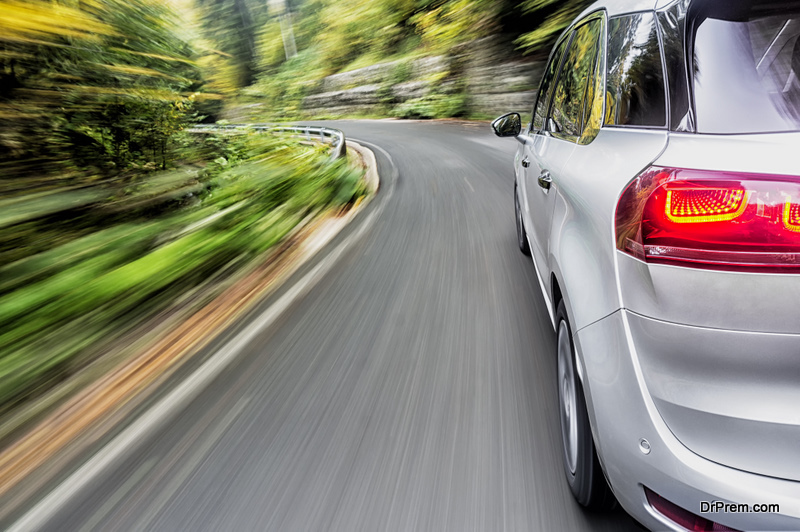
(340,35)
(94,88)
(77,267)
(554,16)
(89,88)
(432,106)
(110,210)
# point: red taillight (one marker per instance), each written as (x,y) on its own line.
(684,518)
(699,204)
(791,215)
(720,220)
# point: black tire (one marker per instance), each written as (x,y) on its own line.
(522,239)
(581,465)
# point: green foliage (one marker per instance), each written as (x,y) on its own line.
(285,89)
(230,28)
(340,35)
(432,106)
(354,27)
(72,278)
(445,24)
(554,16)
(401,73)
(270,51)
(91,89)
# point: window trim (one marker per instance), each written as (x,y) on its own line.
(667,98)
(600,67)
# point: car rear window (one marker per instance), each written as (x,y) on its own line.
(745,66)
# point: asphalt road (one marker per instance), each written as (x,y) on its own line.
(412,388)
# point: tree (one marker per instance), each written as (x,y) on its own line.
(78,82)
(552,17)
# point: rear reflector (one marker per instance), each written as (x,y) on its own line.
(682,517)
(717,220)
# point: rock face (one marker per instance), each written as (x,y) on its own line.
(365,95)
(375,74)
(497,79)
(411,89)
(493,77)
(426,66)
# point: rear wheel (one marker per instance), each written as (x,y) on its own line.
(581,466)
(522,238)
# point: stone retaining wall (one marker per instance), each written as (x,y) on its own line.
(498,80)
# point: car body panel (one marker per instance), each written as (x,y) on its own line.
(729,396)
(767,153)
(742,301)
(581,234)
(623,413)
(720,349)
(551,155)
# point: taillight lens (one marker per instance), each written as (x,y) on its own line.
(718,220)
(695,203)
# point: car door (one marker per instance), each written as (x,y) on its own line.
(548,149)
(533,141)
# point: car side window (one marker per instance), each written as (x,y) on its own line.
(593,102)
(546,86)
(567,111)
(635,92)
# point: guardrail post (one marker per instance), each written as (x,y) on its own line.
(341,149)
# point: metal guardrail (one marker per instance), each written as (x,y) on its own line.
(310,132)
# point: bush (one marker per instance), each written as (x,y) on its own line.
(432,106)
(90,274)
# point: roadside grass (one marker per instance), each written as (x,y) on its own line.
(88,272)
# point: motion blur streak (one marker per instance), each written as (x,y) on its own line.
(399,394)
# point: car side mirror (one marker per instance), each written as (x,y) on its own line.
(552,126)
(508,125)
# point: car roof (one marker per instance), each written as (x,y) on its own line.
(618,7)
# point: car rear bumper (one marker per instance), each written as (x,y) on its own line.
(623,414)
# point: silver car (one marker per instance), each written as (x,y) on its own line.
(657,192)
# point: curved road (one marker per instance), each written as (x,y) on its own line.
(412,388)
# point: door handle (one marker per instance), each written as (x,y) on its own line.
(545,180)
(525,162)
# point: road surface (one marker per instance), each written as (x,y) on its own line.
(412,388)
